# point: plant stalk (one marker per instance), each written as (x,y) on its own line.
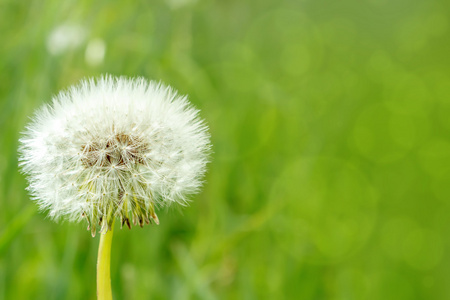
(103,266)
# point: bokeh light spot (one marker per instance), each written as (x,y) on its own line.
(435,157)
(329,209)
(383,136)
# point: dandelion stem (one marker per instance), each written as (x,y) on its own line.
(103,266)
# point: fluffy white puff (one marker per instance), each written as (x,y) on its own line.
(114,147)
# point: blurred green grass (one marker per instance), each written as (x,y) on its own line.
(330,125)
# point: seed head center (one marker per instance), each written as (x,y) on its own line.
(117,151)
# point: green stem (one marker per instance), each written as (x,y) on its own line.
(103,266)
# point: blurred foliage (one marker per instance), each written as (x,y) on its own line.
(330,122)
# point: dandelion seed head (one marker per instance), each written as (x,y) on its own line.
(114,147)
(65,37)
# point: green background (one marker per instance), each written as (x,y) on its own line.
(330,125)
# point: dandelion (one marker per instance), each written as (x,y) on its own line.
(65,37)
(114,148)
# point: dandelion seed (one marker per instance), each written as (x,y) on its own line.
(95,52)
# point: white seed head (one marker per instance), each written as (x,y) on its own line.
(114,147)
